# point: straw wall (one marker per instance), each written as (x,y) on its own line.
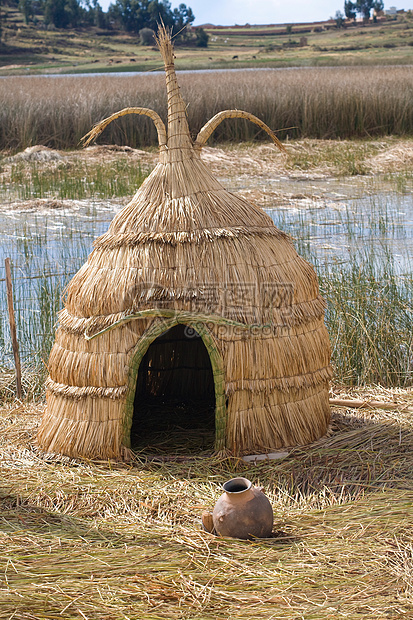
(277,391)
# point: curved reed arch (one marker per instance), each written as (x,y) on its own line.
(99,127)
(213,123)
(217,364)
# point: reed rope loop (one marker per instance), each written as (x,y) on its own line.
(213,123)
(182,316)
(99,127)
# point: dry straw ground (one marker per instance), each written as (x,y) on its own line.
(108,541)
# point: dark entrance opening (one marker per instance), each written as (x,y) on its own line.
(174,406)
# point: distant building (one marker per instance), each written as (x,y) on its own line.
(392,11)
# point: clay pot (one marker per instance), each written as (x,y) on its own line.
(243,511)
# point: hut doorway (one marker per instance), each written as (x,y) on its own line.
(177,392)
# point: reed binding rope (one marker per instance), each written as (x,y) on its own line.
(182,317)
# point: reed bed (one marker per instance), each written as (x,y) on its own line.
(114,541)
(44,259)
(74,181)
(328,102)
(370,321)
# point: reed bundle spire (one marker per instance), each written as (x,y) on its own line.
(178,130)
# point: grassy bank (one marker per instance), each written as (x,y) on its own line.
(31,49)
(312,102)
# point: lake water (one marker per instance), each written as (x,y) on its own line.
(162,72)
(333,222)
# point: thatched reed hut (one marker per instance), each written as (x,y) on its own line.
(187,258)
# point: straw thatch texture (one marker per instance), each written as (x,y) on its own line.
(186,251)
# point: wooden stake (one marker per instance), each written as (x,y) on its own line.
(368,404)
(13,332)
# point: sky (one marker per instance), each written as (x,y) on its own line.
(230,12)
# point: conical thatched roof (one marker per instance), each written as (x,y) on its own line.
(186,251)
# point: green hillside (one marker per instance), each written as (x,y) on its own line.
(37,48)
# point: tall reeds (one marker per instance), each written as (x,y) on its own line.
(328,102)
(365,267)
(370,320)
